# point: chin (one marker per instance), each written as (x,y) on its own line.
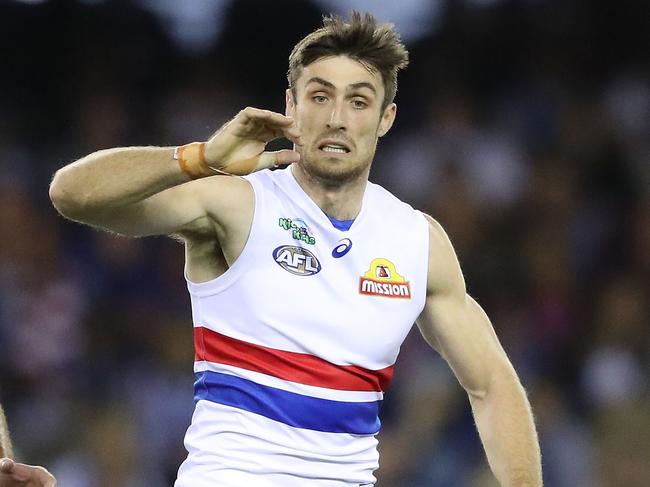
(333,170)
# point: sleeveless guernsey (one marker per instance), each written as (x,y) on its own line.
(295,343)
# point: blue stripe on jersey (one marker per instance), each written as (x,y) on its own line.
(359,418)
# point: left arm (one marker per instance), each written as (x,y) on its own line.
(456,326)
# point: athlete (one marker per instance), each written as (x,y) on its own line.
(14,474)
(305,281)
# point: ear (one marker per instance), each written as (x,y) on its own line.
(387,120)
(290,104)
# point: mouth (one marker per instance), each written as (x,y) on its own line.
(334,147)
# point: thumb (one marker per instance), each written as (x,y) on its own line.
(278,158)
(262,161)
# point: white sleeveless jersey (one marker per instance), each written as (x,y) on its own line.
(295,343)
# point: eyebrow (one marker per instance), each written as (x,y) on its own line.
(363,84)
(353,86)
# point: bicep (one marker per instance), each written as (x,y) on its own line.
(458,328)
(195,207)
(163,213)
(453,323)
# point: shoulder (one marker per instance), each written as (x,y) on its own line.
(382,199)
(379,192)
(438,238)
(444,275)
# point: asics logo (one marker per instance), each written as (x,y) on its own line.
(342,248)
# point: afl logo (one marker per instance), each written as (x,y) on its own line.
(296,260)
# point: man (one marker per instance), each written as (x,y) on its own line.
(305,281)
(14,474)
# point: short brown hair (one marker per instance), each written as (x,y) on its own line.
(376,46)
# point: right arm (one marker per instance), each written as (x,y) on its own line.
(139,191)
(119,189)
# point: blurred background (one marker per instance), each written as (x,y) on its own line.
(523,127)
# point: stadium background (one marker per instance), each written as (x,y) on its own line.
(523,127)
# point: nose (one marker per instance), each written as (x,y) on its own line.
(336,121)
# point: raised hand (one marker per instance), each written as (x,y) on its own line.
(238,147)
(14,474)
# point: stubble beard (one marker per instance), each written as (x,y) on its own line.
(334,173)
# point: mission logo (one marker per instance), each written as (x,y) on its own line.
(383,280)
(296,260)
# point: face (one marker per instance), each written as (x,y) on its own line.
(338,110)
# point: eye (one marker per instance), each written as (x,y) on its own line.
(319,98)
(359,104)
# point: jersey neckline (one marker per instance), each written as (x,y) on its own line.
(318,214)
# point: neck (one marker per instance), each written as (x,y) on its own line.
(338,200)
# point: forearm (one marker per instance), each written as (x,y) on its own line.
(505,423)
(6,451)
(114,178)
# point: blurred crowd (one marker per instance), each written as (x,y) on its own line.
(523,127)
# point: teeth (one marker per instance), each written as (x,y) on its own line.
(331,148)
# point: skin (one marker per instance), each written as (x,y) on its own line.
(142,191)
(340,99)
(14,474)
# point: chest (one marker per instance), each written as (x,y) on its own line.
(352,296)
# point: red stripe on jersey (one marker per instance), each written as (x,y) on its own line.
(292,366)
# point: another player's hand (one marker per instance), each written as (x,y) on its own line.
(238,147)
(14,474)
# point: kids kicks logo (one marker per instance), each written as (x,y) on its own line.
(382,279)
(299,229)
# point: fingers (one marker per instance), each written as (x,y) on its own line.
(7,465)
(252,114)
(237,148)
(37,476)
(294,134)
(277,124)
